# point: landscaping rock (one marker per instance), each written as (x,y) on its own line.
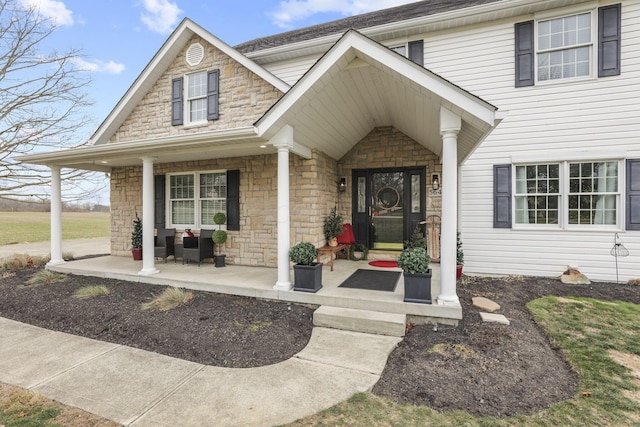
(573,277)
(494,318)
(485,304)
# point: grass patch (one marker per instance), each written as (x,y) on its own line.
(29,227)
(253,327)
(45,277)
(170,298)
(91,291)
(587,331)
(22,408)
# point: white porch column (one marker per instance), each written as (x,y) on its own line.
(56,217)
(450,125)
(148,220)
(283,140)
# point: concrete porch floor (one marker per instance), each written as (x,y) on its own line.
(258,282)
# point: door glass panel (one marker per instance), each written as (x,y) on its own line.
(387,210)
(362,191)
(415,193)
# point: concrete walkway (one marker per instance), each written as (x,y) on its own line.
(140,388)
(77,247)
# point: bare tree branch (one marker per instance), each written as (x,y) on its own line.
(43,101)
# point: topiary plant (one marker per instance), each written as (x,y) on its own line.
(414,260)
(219,236)
(459,252)
(417,240)
(136,235)
(332,224)
(304,253)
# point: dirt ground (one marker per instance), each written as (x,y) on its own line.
(484,369)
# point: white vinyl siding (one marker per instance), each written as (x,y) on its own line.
(577,120)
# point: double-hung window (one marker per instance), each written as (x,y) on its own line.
(414,50)
(568,194)
(194,198)
(196,97)
(565,47)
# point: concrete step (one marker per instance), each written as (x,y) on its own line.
(371,322)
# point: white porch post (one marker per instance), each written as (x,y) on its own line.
(56,217)
(148,260)
(283,140)
(450,125)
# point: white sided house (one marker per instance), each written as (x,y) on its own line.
(513,121)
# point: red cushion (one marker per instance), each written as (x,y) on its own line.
(347,237)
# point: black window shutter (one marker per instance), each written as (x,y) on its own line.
(176,102)
(609,40)
(158,188)
(633,195)
(233,200)
(416,52)
(502,196)
(212,94)
(524,54)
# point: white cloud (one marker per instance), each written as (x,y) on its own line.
(160,15)
(51,9)
(290,11)
(98,66)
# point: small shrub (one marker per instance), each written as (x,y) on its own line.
(170,298)
(68,256)
(303,253)
(45,277)
(414,260)
(23,261)
(91,291)
(418,239)
(633,282)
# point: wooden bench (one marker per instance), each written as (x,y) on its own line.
(332,251)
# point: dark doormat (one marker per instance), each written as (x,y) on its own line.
(374,280)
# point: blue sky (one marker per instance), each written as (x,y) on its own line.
(119,37)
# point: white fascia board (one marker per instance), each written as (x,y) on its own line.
(185,31)
(138,148)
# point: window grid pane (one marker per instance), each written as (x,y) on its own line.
(537,194)
(182,212)
(197,97)
(593,193)
(213,196)
(563,37)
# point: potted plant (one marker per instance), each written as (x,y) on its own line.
(333,227)
(459,257)
(417,275)
(136,239)
(308,273)
(219,237)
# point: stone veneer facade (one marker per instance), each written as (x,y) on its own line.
(313,192)
(244,98)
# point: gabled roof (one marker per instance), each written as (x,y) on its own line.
(159,64)
(358,22)
(360,84)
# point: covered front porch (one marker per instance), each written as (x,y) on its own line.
(257,282)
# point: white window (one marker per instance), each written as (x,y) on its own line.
(402,49)
(568,194)
(537,194)
(565,47)
(196,95)
(194,198)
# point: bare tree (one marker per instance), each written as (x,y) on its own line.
(42,105)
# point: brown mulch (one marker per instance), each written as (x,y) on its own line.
(484,369)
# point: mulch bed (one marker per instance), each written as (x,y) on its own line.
(484,369)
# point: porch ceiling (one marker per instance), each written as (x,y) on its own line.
(360,85)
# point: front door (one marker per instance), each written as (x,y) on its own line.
(387,205)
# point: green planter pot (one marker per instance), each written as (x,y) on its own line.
(308,278)
(417,287)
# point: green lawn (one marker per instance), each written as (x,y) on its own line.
(591,333)
(29,227)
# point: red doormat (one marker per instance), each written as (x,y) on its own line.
(384,264)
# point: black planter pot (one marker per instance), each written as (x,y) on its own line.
(220,260)
(308,278)
(417,287)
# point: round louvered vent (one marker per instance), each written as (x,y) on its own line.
(195,53)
